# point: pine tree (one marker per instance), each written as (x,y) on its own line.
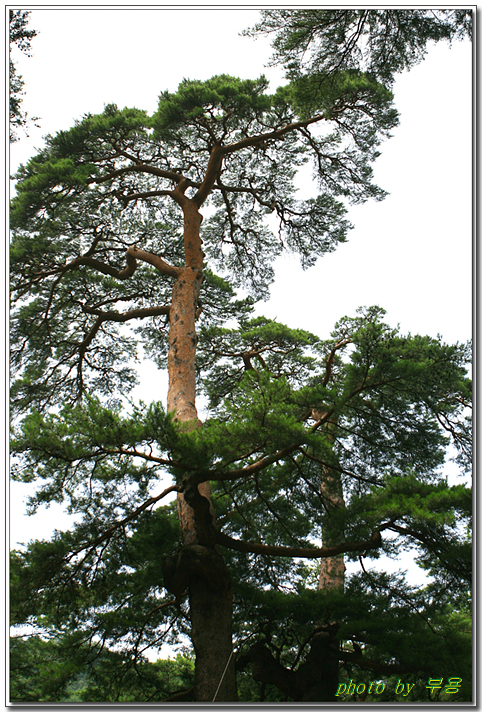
(110,253)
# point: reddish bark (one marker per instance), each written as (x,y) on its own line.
(200,568)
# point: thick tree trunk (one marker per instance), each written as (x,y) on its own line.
(199,567)
(211,601)
(181,398)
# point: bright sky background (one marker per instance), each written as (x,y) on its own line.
(410,254)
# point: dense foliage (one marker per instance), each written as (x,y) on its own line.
(382,403)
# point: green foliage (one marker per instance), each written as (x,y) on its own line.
(372,404)
(37,672)
(223,101)
(381,615)
(95,168)
(56,670)
(77,210)
(382,42)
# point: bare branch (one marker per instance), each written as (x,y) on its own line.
(127,272)
(331,357)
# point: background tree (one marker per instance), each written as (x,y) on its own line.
(99,209)
(63,671)
(21,37)
(321,43)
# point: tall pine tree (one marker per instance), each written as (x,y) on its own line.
(110,253)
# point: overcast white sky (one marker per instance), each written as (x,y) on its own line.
(410,254)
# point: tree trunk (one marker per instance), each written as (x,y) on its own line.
(211,603)
(320,672)
(332,576)
(199,567)
(332,569)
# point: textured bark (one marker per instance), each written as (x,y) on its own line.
(181,398)
(211,607)
(199,568)
(332,569)
(332,576)
(201,571)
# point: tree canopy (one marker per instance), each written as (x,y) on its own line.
(312,451)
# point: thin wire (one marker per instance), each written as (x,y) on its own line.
(222,676)
(232,652)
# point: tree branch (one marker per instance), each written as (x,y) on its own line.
(331,357)
(264,461)
(127,272)
(311,553)
(276,133)
(132,314)
(134,252)
(141,168)
(211,175)
(108,533)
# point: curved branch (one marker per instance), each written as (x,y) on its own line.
(275,134)
(125,273)
(311,553)
(134,253)
(211,175)
(112,316)
(108,533)
(249,469)
(90,336)
(141,168)
(132,314)
(331,357)
(264,461)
